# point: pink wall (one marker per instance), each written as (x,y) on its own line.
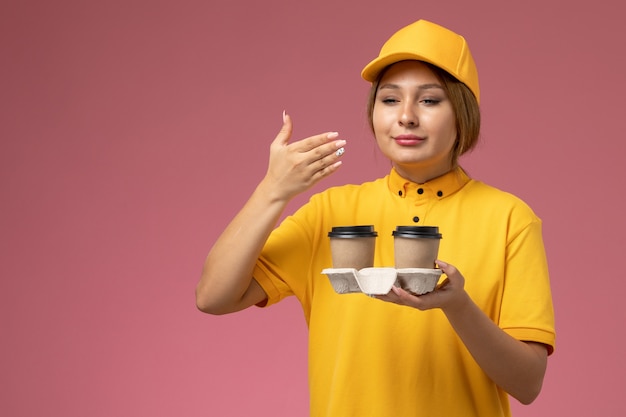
(131,131)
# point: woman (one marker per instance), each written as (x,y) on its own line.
(457,351)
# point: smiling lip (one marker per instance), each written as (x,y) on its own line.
(408,140)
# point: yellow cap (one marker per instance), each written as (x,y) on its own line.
(426,41)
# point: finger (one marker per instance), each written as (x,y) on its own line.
(454,276)
(397,295)
(447,268)
(404,298)
(315,143)
(285,131)
(327,154)
(325,169)
(325,157)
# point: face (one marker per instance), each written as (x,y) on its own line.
(414,121)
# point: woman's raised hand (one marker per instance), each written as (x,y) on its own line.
(294,167)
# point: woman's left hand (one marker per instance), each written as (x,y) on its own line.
(515,366)
(449,294)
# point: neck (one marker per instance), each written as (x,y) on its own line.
(422,174)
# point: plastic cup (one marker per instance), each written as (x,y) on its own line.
(416,246)
(352,246)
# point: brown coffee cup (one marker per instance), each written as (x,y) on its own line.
(353,246)
(416,246)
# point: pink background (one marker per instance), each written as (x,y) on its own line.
(131,132)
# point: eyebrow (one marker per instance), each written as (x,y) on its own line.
(420,87)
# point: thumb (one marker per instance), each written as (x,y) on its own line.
(285,131)
(446,267)
(451,271)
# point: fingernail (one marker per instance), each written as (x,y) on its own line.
(332,135)
(340,152)
(284,116)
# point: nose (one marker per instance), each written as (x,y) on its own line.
(408,116)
